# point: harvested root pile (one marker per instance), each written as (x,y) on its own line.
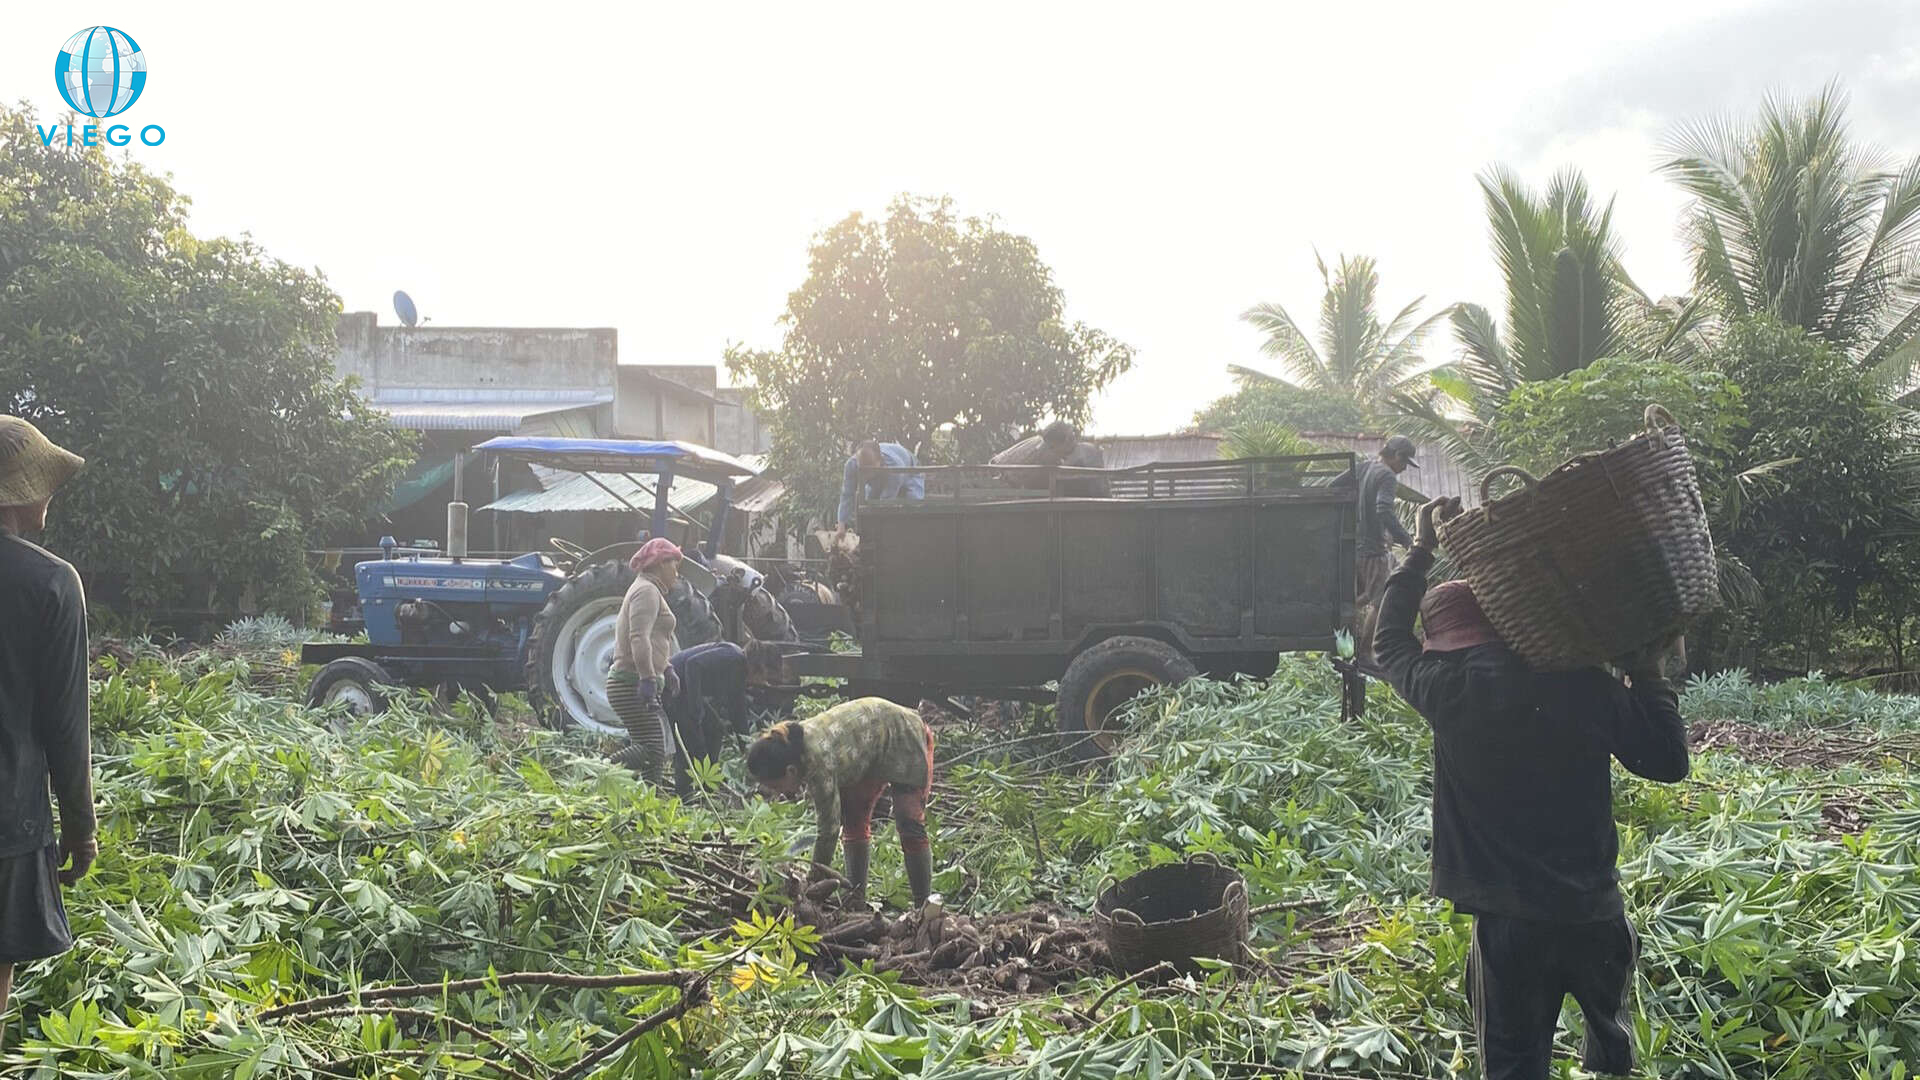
(1021,952)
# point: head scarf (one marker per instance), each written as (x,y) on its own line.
(653,553)
(1453,620)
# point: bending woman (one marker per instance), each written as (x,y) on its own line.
(643,642)
(842,758)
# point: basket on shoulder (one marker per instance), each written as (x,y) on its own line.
(1605,555)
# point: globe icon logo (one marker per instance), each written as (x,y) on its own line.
(100,71)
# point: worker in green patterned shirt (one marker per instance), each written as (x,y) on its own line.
(842,758)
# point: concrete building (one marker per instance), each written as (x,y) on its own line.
(738,430)
(461,385)
(483,380)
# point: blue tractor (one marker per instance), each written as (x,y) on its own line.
(542,623)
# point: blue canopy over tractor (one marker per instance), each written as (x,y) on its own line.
(597,460)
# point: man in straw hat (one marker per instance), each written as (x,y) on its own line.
(43,709)
(1523,831)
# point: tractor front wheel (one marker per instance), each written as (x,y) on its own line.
(353,681)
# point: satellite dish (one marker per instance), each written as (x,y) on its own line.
(403,307)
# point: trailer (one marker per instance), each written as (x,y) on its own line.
(1088,586)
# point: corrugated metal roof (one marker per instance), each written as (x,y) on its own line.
(1438,475)
(758,495)
(477,409)
(578,493)
(1127,451)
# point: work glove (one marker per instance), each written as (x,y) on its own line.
(650,689)
(673,683)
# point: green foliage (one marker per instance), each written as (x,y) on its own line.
(1834,522)
(1357,357)
(1795,219)
(1255,439)
(1542,424)
(1263,400)
(1569,302)
(195,376)
(255,853)
(918,324)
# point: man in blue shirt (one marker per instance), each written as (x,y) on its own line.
(873,454)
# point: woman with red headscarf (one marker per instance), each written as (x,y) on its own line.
(642,646)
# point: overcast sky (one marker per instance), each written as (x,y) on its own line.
(661,169)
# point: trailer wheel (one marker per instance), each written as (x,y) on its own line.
(1105,677)
(353,681)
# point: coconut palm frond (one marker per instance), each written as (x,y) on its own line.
(1285,343)
(1351,352)
(1792,217)
(1753,483)
(1739,589)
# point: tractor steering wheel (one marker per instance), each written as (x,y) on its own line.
(568,548)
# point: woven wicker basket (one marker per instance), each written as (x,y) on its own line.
(1174,913)
(1605,555)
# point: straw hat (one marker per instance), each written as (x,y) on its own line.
(31,466)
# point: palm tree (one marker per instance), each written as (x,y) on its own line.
(1793,218)
(1569,303)
(1568,299)
(1355,356)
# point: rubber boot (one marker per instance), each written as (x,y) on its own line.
(859,857)
(920,876)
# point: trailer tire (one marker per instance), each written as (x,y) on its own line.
(1105,677)
(352,679)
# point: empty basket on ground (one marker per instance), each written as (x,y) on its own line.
(1607,554)
(1174,913)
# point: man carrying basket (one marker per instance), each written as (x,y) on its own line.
(1523,831)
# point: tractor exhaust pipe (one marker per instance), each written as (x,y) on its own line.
(457,512)
(457,530)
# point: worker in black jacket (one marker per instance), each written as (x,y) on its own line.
(1523,831)
(44,739)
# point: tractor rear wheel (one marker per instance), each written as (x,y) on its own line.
(1106,677)
(353,681)
(571,647)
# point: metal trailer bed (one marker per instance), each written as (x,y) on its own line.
(1002,580)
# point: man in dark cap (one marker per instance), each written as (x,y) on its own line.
(1376,485)
(1523,832)
(44,741)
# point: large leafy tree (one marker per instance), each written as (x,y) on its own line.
(1262,399)
(1351,354)
(941,333)
(195,375)
(1793,218)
